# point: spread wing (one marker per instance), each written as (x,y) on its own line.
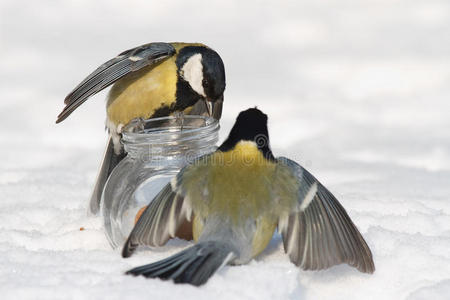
(160,220)
(126,62)
(319,233)
(169,210)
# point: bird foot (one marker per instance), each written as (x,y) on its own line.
(179,116)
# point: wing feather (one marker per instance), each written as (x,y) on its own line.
(159,221)
(126,62)
(319,234)
(166,212)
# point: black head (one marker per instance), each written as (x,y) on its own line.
(250,125)
(213,75)
(201,74)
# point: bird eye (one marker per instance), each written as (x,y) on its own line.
(205,83)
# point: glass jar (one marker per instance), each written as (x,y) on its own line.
(156,150)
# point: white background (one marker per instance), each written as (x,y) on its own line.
(356,91)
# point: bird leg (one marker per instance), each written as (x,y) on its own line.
(135,125)
(179,115)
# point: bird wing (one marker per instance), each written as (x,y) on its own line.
(166,212)
(159,222)
(126,62)
(319,233)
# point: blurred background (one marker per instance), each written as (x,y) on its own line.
(356,91)
(316,67)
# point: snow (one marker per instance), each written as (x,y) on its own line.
(355,91)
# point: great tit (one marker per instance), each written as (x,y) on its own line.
(234,199)
(152,80)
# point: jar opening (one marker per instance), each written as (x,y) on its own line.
(168,128)
(170,135)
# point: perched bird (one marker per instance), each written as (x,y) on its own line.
(152,80)
(234,199)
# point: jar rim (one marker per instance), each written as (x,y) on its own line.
(169,128)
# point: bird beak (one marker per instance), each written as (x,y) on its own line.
(209,107)
(214,107)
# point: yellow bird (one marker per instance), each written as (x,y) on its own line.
(149,81)
(234,199)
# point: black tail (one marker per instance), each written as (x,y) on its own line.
(110,161)
(194,265)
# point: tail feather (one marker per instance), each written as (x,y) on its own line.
(194,265)
(110,161)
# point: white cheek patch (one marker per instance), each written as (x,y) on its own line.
(192,72)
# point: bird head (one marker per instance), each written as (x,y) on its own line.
(203,70)
(250,125)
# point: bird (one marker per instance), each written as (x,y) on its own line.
(149,81)
(233,200)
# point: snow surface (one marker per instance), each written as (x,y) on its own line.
(356,91)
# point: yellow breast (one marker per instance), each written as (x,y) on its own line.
(265,227)
(141,93)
